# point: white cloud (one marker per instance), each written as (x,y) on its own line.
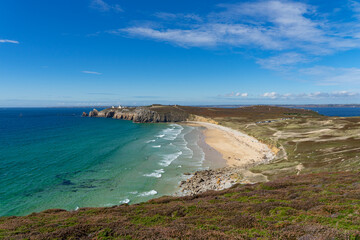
(185,38)
(272,95)
(314,95)
(288,32)
(236,94)
(295,96)
(8,41)
(270,25)
(91,72)
(102,6)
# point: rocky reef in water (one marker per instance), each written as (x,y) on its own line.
(146,114)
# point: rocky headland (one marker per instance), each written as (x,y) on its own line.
(145,114)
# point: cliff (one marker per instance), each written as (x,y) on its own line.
(147,114)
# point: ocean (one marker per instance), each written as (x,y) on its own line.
(54,158)
(337,111)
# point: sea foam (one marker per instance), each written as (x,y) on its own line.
(172,132)
(124,201)
(168,159)
(149,193)
(156,173)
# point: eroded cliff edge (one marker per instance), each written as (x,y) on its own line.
(145,114)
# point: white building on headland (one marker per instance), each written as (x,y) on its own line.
(119,107)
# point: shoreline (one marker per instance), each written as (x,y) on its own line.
(213,158)
(238,150)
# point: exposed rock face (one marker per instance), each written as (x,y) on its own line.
(152,114)
(84,114)
(94,113)
(218,179)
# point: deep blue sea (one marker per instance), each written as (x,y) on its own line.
(337,111)
(54,158)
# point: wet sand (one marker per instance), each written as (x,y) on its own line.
(213,159)
(236,148)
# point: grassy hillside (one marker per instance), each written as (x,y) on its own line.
(308,142)
(315,206)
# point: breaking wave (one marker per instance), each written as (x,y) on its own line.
(156,173)
(149,193)
(168,159)
(124,201)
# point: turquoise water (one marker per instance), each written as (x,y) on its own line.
(53,158)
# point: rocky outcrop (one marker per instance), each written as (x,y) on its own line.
(150,114)
(93,113)
(84,114)
(218,179)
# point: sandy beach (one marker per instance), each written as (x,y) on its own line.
(238,149)
(213,158)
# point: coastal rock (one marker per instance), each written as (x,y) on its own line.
(84,114)
(94,113)
(148,114)
(218,179)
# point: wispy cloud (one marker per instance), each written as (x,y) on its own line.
(102,6)
(236,94)
(325,75)
(177,16)
(293,96)
(288,33)
(315,95)
(184,38)
(355,6)
(283,61)
(91,72)
(270,25)
(8,41)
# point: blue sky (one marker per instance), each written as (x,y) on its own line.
(104,52)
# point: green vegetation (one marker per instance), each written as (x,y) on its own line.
(316,206)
